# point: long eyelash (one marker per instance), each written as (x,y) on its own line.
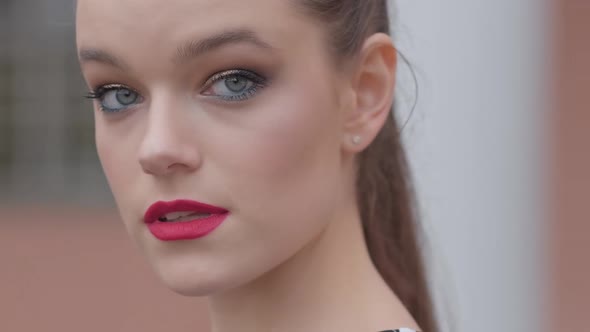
(93,95)
(257,79)
(101,90)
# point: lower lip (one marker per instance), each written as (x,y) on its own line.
(186,230)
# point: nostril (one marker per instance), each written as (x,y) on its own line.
(163,159)
(154,168)
(157,161)
(165,166)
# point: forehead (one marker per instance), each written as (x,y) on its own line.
(174,20)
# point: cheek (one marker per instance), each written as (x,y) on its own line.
(287,157)
(116,149)
(280,168)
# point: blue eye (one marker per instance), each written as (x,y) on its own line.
(115,98)
(234,85)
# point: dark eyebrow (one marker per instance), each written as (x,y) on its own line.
(184,52)
(196,48)
(96,55)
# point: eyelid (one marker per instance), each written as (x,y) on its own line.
(257,79)
(100,92)
(102,89)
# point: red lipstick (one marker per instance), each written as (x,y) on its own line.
(183,219)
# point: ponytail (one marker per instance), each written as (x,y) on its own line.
(384,194)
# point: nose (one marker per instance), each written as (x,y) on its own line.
(168,146)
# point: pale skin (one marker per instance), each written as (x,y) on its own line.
(291,256)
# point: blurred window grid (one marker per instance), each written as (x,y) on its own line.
(47,150)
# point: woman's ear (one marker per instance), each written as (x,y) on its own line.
(373,90)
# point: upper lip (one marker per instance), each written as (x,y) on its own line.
(161,208)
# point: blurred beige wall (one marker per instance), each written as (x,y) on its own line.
(66,269)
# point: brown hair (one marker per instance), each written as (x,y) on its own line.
(384,193)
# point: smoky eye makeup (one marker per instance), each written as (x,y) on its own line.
(115,98)
(234,85)
(229,86)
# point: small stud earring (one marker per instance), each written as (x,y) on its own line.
(356,140)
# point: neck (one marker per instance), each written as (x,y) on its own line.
(329,285)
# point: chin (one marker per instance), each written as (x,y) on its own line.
(192,285)
(197,280)
(192,290)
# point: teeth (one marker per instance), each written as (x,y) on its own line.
(176,215)
(183,216)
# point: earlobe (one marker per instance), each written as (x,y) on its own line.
(374,85)
(356,140)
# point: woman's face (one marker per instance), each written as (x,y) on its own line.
(231,103)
